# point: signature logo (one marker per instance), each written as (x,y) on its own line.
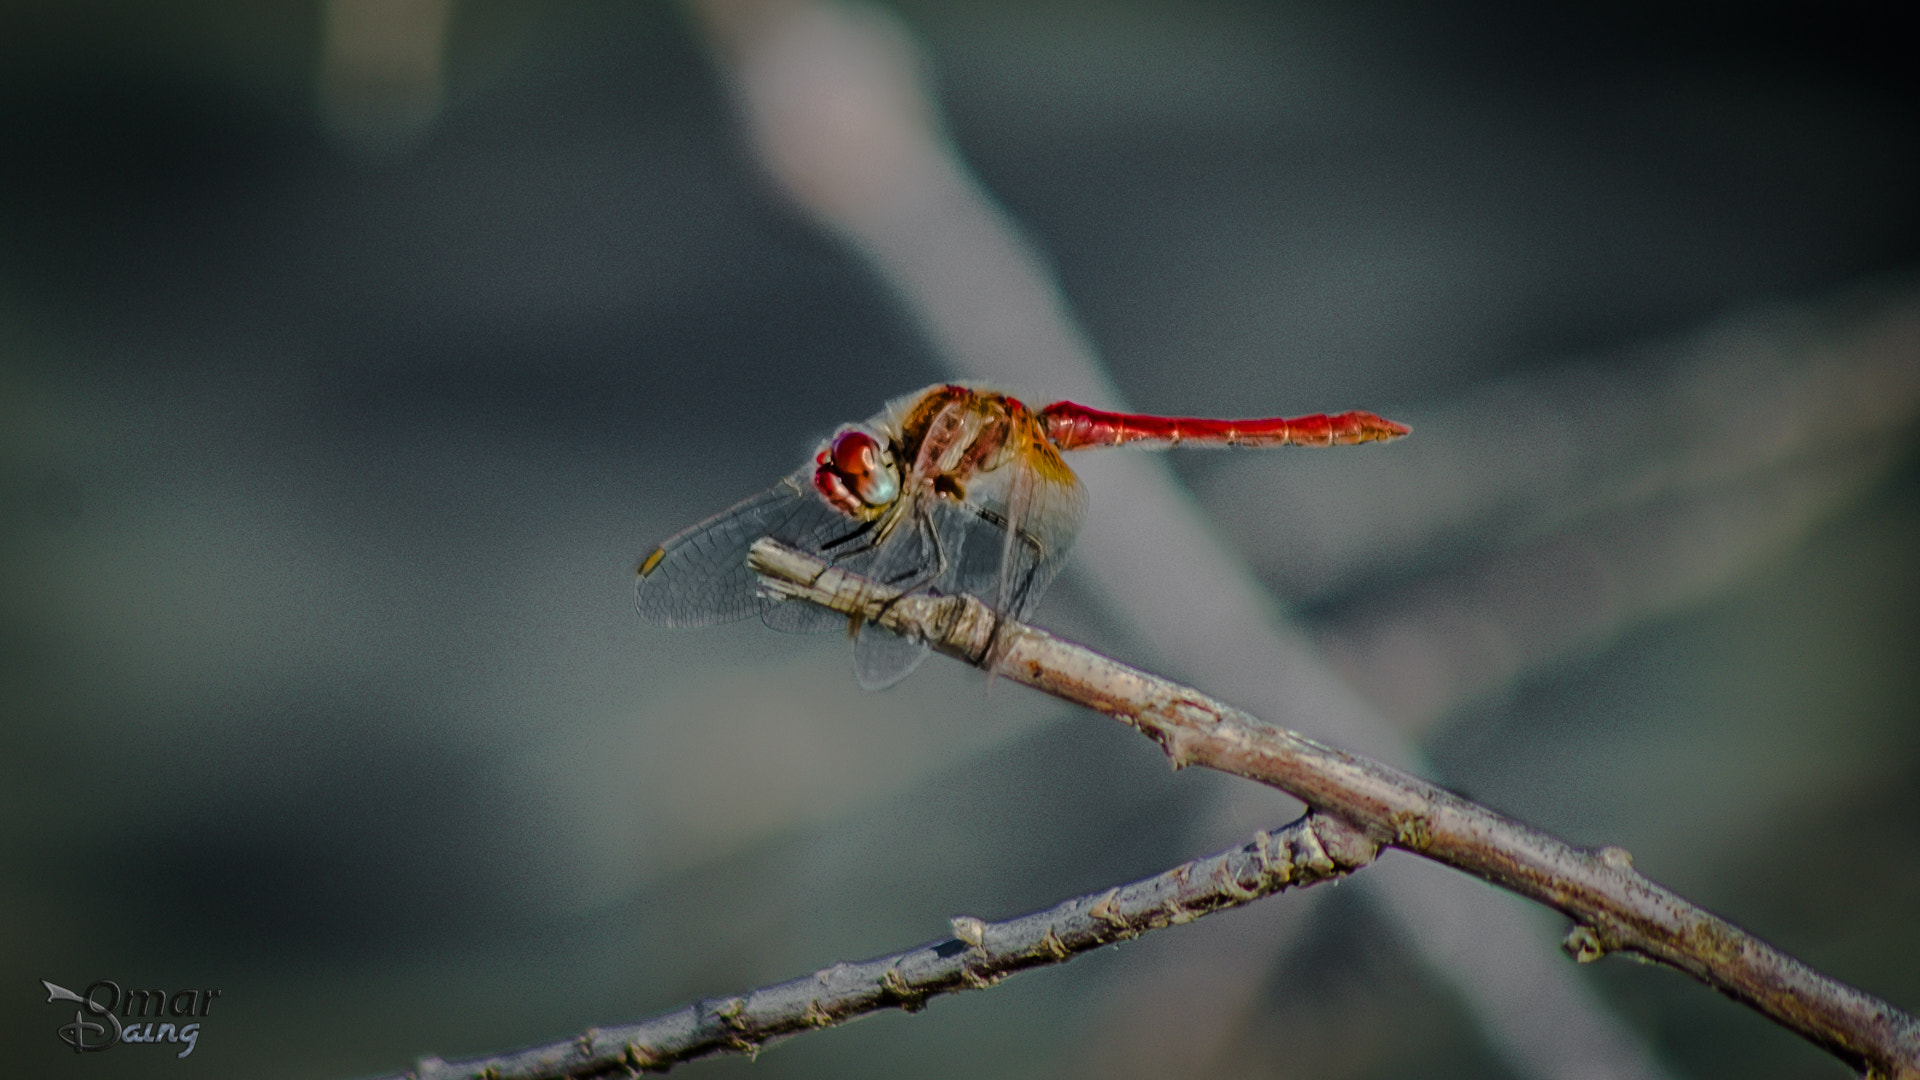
(97,1024)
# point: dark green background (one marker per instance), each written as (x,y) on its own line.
(324,474)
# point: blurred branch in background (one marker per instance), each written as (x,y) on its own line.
(381,70)
(1459,635)
(328,457)
(1524,456)
(1611,497)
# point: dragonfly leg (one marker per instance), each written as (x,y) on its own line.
(1014,587)
(860,531)
(1016,590)
(920,575)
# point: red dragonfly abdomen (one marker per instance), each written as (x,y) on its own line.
(1076,427)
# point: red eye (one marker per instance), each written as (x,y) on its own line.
(855,453)
(859,469)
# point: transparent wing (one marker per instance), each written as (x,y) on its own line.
(1046,528)
(1004,548)
(700,576)
(917,556)
(882,658)
(965,547)
(1020,530)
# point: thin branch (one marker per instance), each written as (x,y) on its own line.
(1314,848)
(1615,908)
(837,102)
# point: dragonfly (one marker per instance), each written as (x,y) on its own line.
(958,488)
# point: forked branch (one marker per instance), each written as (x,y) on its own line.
(1357,806)
(1614,908)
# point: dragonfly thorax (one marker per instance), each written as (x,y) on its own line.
(855,472)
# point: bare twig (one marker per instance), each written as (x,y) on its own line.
(1358,806)
(1315,848)
(1615,908)
(836,101)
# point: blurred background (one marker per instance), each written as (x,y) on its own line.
(352,353)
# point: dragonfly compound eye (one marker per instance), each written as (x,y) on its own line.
(855,473)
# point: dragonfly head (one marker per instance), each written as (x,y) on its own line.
(856,473)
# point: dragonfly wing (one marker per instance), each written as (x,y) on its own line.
(821,530)
(1020,534)
(882,658)
(1045,530)
(700,577)
(918,555)
(963,547)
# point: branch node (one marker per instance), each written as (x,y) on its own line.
(1180,745)
(1617,857)
(729,1010)
(976,980)
(1230,884)
(1410,830)
(737,1038)
(1261,845)
(640,1058)
(1583,944)
(816,1016)
(1053,945)
(1104,910)
(969,929)
(1344,846)
(1309,854)
(896,985)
